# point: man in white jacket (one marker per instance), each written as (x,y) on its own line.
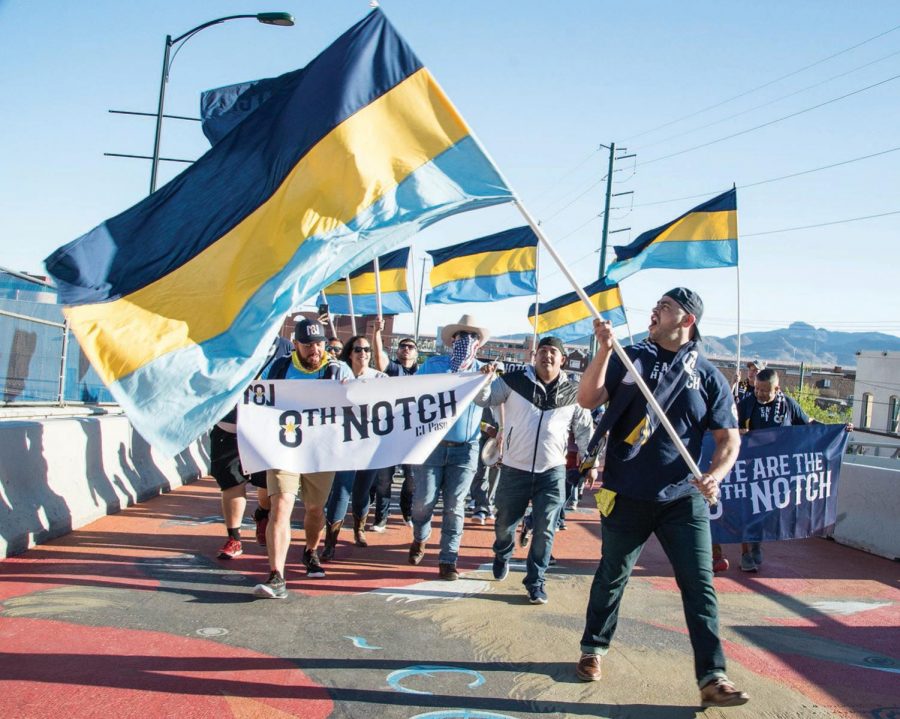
(540,408)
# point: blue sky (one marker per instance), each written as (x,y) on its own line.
(542,84)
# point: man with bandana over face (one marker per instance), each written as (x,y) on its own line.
(448,470)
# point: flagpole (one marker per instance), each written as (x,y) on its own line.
(737,269)
(412,275)
(537,300)
(421,292)
(377,289)
(617,348)
(350,306)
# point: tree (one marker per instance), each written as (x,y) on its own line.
(808,399)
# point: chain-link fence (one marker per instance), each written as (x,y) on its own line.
(40,362)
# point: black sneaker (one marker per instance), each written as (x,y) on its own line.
(501,569)
(537,595)
(272,588)
(314,568)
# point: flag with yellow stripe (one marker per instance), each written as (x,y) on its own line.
(175,301)
(487,269)
(568,318)
(392,275)
(704,237)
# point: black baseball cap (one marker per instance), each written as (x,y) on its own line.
(308,331)
(691,303)
(553,342)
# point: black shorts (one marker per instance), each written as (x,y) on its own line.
(225,464)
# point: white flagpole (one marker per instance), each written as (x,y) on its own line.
(617,348)
(537,298)
(377,289)
(737,269)
(350,306)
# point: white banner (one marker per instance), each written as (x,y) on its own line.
(324,425)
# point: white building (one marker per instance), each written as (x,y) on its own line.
(876,395)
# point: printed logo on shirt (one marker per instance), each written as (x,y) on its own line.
(629,378)
(690,366)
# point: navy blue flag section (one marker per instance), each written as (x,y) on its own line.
(782,486)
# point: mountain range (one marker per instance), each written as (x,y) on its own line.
(799,342)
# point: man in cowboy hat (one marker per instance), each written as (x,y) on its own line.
(448,470)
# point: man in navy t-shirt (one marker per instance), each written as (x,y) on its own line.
(647,486)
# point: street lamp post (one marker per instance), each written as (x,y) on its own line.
(283,19)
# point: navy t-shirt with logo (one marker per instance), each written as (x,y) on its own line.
(783,411)
(657,472)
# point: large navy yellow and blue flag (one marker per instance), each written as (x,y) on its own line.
(701,238)
(568,318)
(176,300)
(392,277)
(487,269)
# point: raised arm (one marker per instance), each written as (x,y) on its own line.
(592,390)
(380,358)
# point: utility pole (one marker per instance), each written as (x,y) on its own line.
(606,206)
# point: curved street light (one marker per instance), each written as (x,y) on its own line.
(282,19)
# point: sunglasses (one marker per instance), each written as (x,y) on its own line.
(360,350)
(406,347)
(334,348)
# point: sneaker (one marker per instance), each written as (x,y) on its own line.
(570,505)
(552,562)
(561,525)
(720,565)
(524,536)
(272,588)
(537,595)
(722,693)
(231,549)
(756,553)
(407,520)
(479,518)
(379,527)
(747,563)
(416,552)
(447,571)
(261,517)
(588,668)
(314,568)
(500,569)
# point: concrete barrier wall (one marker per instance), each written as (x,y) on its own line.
(59,474)
(868,507)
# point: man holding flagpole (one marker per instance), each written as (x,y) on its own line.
(648,488)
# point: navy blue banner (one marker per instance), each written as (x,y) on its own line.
(783,485)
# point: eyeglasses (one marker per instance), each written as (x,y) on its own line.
(360,350)
(407,347)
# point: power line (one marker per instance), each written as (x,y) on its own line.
(770,102)
(772,179)
(764,85)
(771,122)
(821,224)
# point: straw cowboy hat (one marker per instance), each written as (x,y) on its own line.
(466,323)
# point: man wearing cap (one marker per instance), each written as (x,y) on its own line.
(745,389)
(448,470)
(309,360)
(540,408)
(648,488)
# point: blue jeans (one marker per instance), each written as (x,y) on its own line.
(546,491)
(349,484)
(446,473)
(682,528)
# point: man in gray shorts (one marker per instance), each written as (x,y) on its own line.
(309,360)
